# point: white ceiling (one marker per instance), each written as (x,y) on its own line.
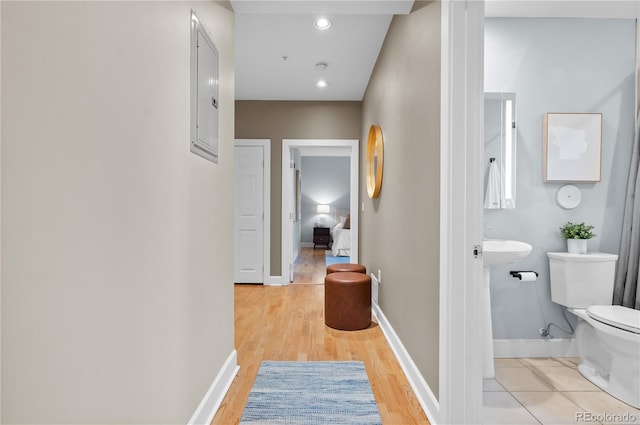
(624,9)
(269,30)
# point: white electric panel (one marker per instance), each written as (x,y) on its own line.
(204,92)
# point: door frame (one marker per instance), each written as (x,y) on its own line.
(266,199)
(330,147)
(461,212)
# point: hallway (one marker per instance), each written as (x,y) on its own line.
(286,323)
(310,266)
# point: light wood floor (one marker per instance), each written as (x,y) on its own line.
(310,266)
(287,323)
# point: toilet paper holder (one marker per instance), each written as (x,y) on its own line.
(517,273)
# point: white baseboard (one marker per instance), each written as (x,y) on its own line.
(306,245)
(423,393)
(275,281)
(213,398)
(375,287)
(555,347)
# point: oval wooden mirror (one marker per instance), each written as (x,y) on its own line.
(374,160)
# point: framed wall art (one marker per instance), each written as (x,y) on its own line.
(572,147)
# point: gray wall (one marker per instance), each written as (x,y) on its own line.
(325,180)
(117,279)
(557,65)
(277,120)
(400,230)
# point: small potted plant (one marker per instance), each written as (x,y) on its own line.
(577,236)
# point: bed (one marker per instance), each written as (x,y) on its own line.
(341,235)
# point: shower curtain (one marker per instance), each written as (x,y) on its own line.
(626,291)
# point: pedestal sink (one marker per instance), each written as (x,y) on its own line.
(500,251)
(495,252)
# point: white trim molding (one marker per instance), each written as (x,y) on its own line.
(276,281)
(209,405)
(340,147)
(425,396)
(461,214)
(555,347)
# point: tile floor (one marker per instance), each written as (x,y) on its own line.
(548,391)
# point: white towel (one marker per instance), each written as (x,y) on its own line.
(493,196)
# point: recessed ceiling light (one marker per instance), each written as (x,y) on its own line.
(322,23)
(322,84)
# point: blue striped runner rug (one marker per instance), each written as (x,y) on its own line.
(310,393)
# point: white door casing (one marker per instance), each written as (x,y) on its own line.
(327,147)
(462,61)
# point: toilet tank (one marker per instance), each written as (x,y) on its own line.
(582,280)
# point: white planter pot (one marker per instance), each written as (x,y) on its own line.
(577,246)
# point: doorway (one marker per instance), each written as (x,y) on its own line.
(290,185)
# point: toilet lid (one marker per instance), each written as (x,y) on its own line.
(616,315)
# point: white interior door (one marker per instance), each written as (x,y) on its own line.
(249,214)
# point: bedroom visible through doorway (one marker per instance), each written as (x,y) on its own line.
(319,190)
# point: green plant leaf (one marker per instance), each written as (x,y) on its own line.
(577,231)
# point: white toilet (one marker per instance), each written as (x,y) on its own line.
(607,336)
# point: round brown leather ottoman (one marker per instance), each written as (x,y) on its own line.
(336,268)
(347,301)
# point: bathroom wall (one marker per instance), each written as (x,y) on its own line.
(117,277)
(557,65)
(326,180)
